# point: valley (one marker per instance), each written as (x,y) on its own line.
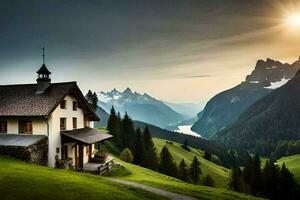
(187,129)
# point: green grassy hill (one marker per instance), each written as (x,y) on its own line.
(218,173)
(19,180)
(148,177)
(293,164)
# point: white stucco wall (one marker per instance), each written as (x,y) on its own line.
(54,127)
(39,127)
(13,126)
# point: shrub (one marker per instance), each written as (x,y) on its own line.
(126,155)
(208,181)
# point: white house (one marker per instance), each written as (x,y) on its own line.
(55,111)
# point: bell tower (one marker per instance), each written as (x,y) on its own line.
(43,80)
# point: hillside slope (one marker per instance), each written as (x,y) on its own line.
(193,141)
(19,180)
(226,107)
(218,173)
(273,118)
(151,178)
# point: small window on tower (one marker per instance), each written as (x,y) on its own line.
(74,122)
(63,104)
(75,105)
(63,122)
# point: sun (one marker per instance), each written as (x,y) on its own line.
(294,20)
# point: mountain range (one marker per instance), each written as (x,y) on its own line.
(226,107)
(140,107)
(264,126)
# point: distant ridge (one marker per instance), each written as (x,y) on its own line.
(141,107)
(226,107)
(269,121)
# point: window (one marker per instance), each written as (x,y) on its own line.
(63,122)
(74,122)
(75,105)
(63,104)
(25,127)
(3,127)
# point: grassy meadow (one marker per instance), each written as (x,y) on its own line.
(20,180)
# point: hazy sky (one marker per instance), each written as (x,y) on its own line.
(176,50)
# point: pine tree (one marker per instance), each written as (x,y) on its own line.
(182,171)
(151,154)
(127,132)
(271,175)
(94,100)
(256,184)
(207,156)
(111,121)
(139,150)
(114,126)
(167,165)
(195,171)
(89,96)
(287,184)
(208,181)
(252,175)
(236,180)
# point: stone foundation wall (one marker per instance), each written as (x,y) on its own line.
(36,153)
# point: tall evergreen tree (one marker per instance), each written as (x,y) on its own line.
(236,180)
(209,181)
(139,150)
(128,135)
(167,165)
(271,175)
(287,184)
(89,96)
(252,175)
(114,126)
(151,154)
(207,155)
(182,171)
(94,100)
(256,185)
(195,171)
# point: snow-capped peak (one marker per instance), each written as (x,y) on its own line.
(277,84)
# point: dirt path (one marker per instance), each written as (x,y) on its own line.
(170,195)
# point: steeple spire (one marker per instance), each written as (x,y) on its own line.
(43,55)
(43,80)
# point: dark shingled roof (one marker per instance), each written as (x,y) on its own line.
(20,140)
(87,135)
(22,100)
(43,70)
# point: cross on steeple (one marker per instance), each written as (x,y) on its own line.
(43,55)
